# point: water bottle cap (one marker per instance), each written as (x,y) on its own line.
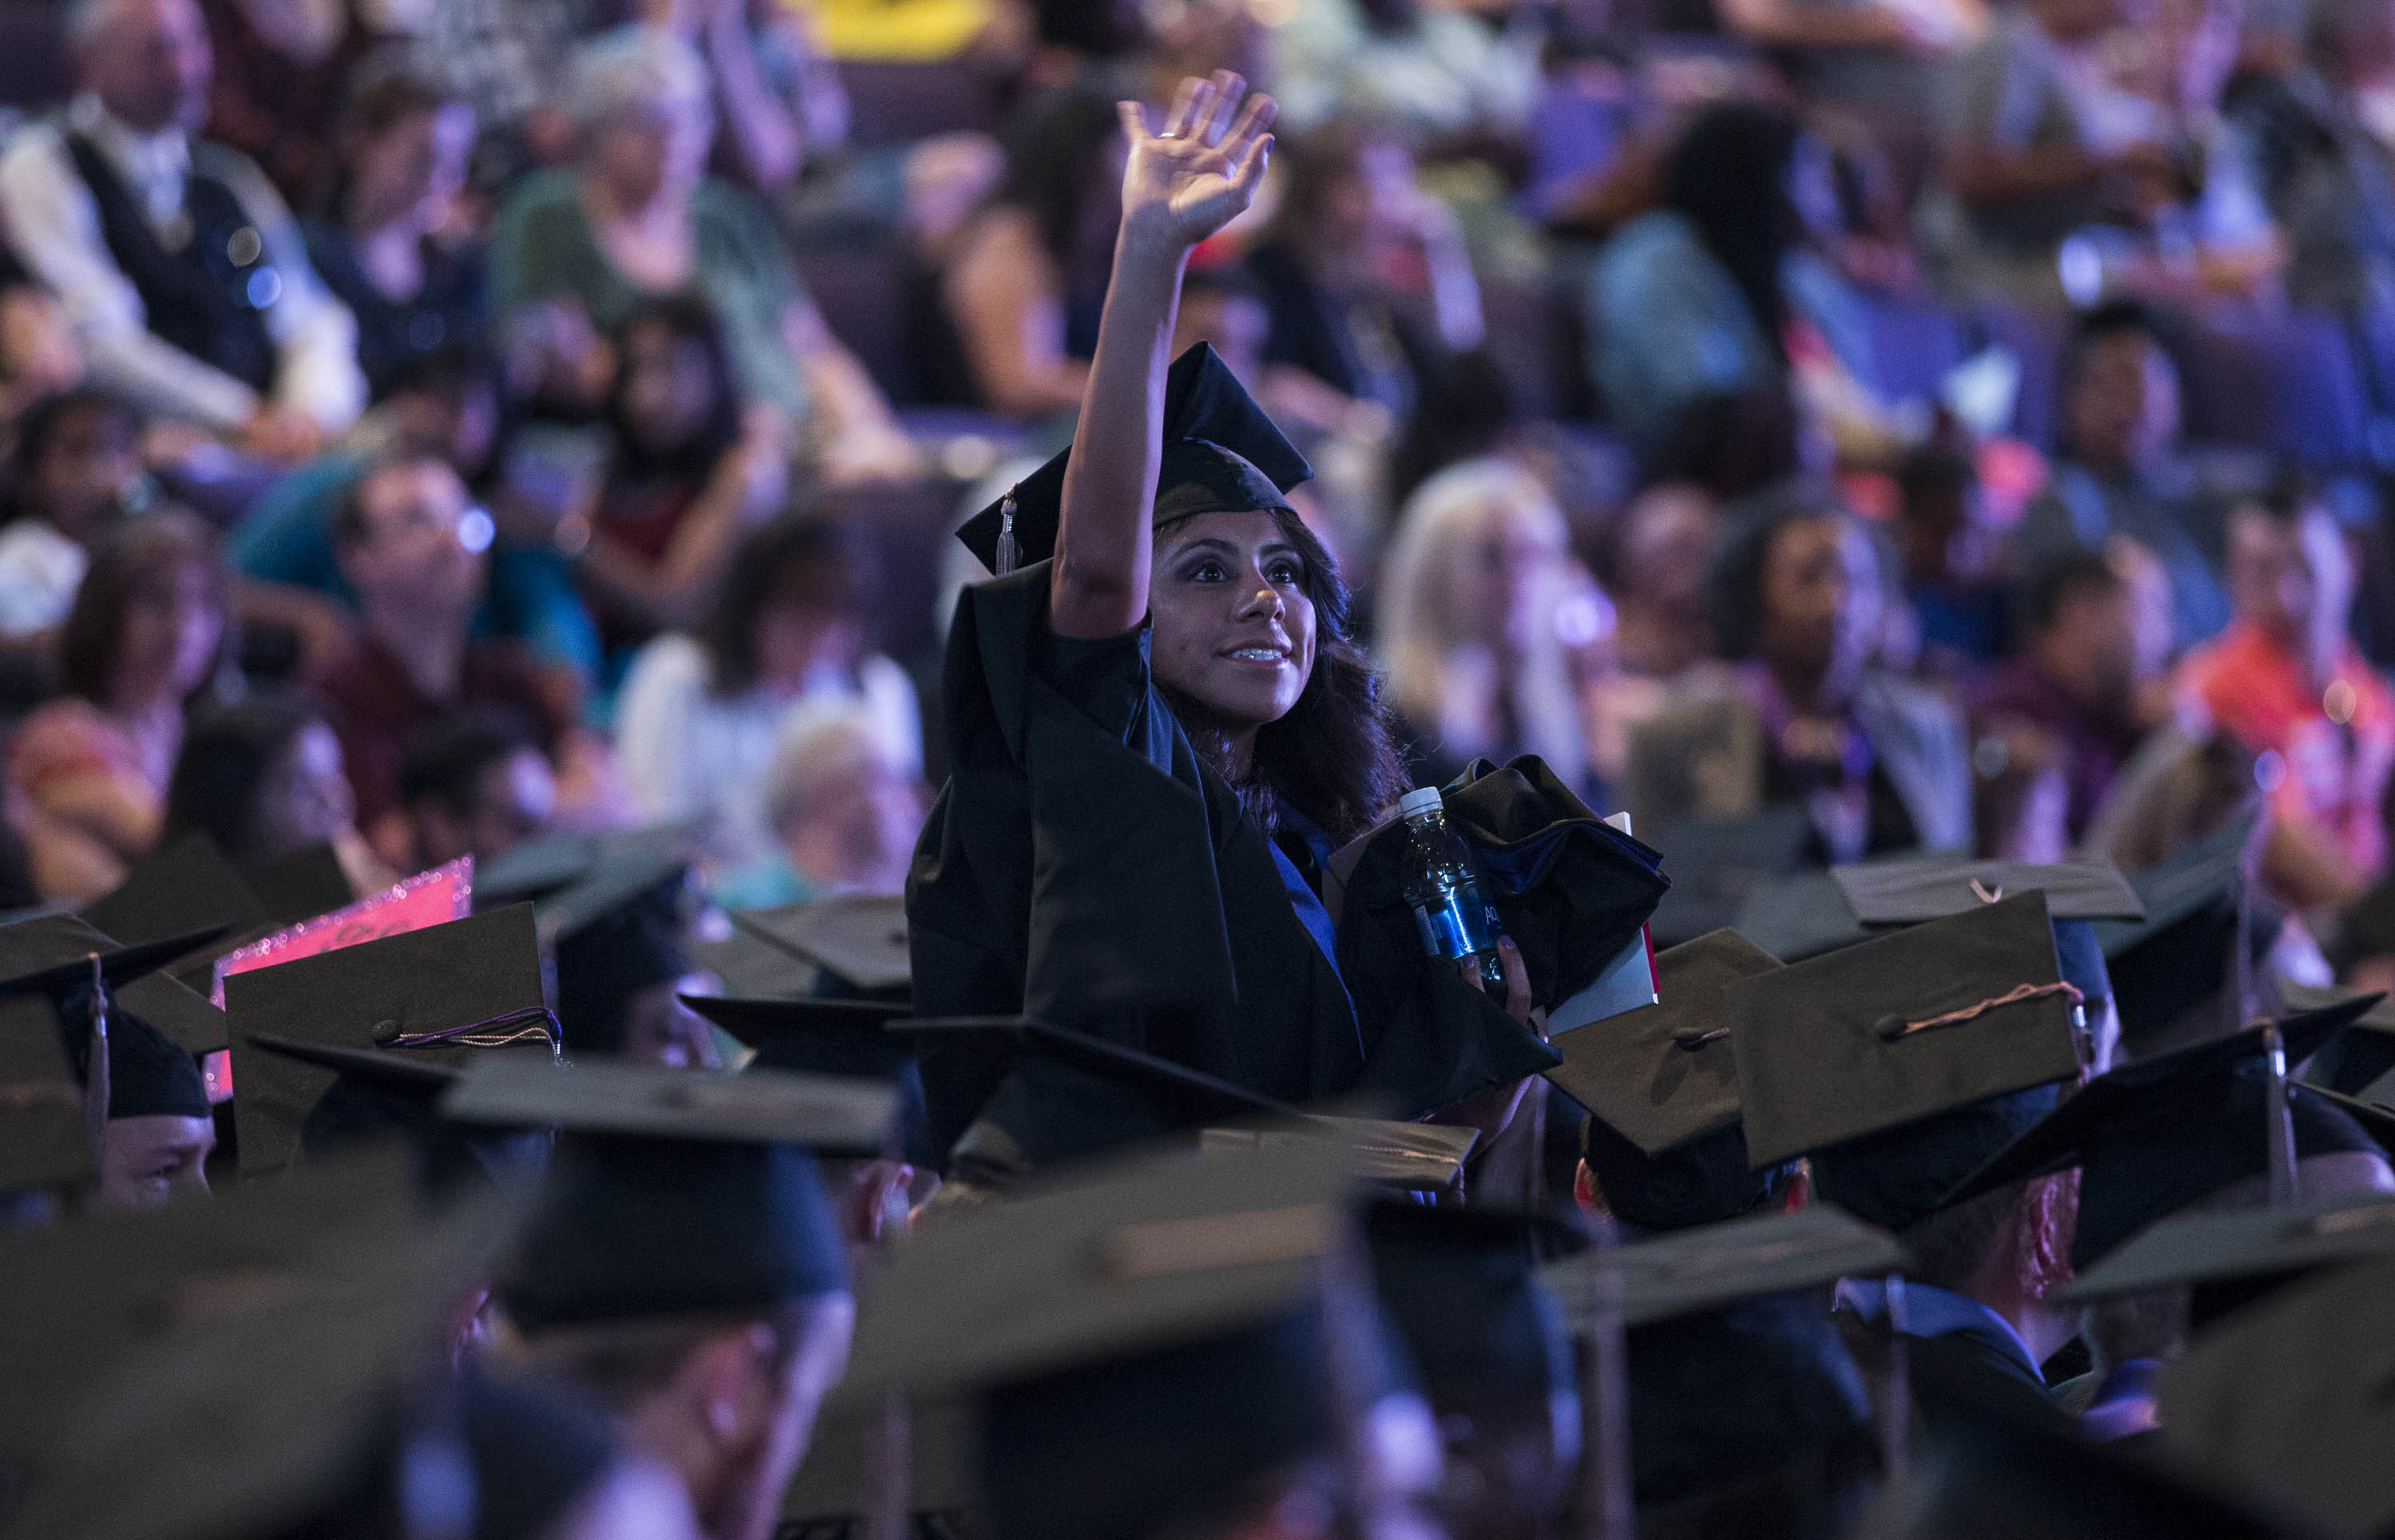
(1420,799)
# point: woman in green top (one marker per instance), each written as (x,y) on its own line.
(637,218)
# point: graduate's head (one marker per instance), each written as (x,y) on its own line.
(160,1130)
(1233,599)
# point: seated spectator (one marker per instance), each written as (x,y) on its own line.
(77,471)
(1950,555)
(637,218)
(1715,297)
(282,71)
(1796,595)
(691,475)
(1445,73)
(701,715)
(386,249)
(177,261)
(1020,293)
(1658,550)
(2121,472)
(2070,701)
(415,554)
(1350,213)
(474,782)
(2286,682)
(147,636)
(263,778)
(846,806)
(1879,57)
(1468,623)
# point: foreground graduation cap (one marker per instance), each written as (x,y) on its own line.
(1902,1064)
(2246,1242)
(2286,1401)
(1151,1096)
(51,955)
(1666,1143)
(860,940)
(2157,1134)
(1703,1270)
(675,1193)
(1221,454)
(446,993)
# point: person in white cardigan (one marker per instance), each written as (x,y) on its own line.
(701,715)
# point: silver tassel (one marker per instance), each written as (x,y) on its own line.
(1010,555)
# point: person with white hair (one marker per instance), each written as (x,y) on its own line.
(847,806)
(176,261)
(1475,600)
(635,216)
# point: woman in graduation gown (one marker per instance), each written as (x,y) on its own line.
(1160,729)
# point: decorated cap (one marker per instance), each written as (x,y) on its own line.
(1221,454)
(445,993)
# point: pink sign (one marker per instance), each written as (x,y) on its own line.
(432,897)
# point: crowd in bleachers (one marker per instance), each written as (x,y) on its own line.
(478,416)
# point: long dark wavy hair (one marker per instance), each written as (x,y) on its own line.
(1333,758)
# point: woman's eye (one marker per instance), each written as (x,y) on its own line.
(1285,572)
(1206,572)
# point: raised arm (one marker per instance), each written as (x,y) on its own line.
(1179,186)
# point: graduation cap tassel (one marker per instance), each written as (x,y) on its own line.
(95,1079)
(1009,551)
(2278,1127)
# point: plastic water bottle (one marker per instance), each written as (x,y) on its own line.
(1444,892)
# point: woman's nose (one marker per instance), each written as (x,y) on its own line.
(1264,598)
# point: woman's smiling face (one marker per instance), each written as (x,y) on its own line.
(1234,626)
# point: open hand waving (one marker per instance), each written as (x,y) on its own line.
(1198,175)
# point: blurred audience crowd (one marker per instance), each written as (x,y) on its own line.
(427,423)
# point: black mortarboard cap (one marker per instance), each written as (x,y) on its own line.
(1221,454)
(300,884)
(2359,1059)
(1140,1096)
(1901,1029)
(1714,864)
(190,885)
(1908,892)
(2157,1134)
(637,1229)
(2180,955)
(1459,1287)
(148,1076)
(860,939)
(450,992)
(1798,917)
(1697,1271)
(51,954)
(2286,1401)
(610,908)
(2243,1243)
(378,1096)
(753,969)
(833,1116)
(813,1037)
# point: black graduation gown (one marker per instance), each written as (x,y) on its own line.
(1956,1374)
(1082,867)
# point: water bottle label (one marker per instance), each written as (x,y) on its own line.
(1456,926)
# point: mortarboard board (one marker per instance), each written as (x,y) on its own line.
(1165,1096)
(190,885)
(1221,454)
(1664,1142)
(2359,1061)
(2181,954)
(2286,1401)
(2245,1243)
(1798,917)
(378,1096)
(1715,863)
(860,939)
(813,1037)
(267,1411)
(674,1192)
(1908,892)
(51,954)
(751,969)
(834,1116)
(1924,1022)
(615,930)
(450,992)
(1695,1271)
(2157,1134)
(300,884)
